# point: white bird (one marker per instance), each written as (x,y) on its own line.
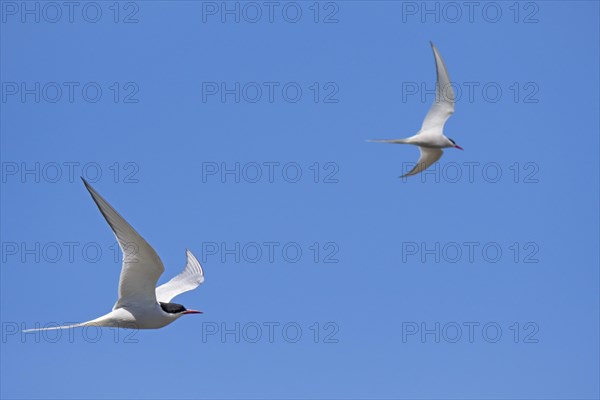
(141,305)
(430,138)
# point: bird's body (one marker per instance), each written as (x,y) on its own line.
(422,139)
(431,139)
(150,316)
(142,305)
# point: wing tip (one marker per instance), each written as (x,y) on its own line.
(434,49)
(87,185)
(192,257)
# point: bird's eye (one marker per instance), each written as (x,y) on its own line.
(452,141)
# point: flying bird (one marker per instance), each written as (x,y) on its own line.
(431,139)
(141,305)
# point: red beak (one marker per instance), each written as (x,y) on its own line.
(192,312)
(458,147)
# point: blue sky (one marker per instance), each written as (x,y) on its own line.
(326,275)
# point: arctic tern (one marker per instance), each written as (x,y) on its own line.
(431,139)
(141,305)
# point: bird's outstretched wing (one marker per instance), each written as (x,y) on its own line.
(191,277)
(443,105)
(141,265)
(428,156)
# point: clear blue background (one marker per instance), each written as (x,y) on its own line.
(369,213)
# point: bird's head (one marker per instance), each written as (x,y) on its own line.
(177,310)
(453,144)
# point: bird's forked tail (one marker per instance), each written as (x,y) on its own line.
(394,141)
(94,322)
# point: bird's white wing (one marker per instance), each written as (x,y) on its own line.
(443,105)
(141,265)
(191,277)
(429,155)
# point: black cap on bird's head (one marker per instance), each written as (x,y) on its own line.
(455,145)
(174,308)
